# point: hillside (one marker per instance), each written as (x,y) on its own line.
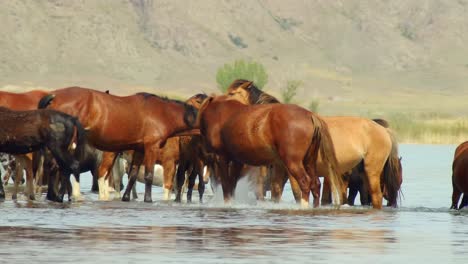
(354,56)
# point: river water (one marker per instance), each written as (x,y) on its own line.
(422,230)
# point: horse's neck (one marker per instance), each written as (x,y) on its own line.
(175,113)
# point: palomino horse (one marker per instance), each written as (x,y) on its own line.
(27,131)
(355,140)
(460,176)
(21,102)
(267,134)
(141,122)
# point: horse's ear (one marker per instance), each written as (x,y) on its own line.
(246,85)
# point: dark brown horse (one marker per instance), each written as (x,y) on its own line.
(21,102)
(28,131)
(460,176)
(141,122)
(355,140)
(261,135)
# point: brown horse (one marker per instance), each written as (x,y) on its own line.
(141,122)
(460,176)
(28,131)
(21,102)
(261,135)
(355,140)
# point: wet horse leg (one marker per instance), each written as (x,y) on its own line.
(234,174)
(326,193)
(196,171)
(169,170)
(38,170)
(180,178)
(132,174)
(149,161)
(103,175)
(201,181)
(297,170)
(18,172)
(455,196)
(227,184)
(373,172)
(2,191)
(464,201)
(278,180)
(29,177)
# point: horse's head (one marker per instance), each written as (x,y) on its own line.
(240,90)
(190,115)
(196,100)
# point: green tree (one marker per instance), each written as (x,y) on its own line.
(241,69)
(289,91)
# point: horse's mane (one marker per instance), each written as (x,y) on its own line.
(256,96)
(164,98)
(190,112)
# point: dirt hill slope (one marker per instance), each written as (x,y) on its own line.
(378,55)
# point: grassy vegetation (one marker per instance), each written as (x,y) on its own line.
(429,128)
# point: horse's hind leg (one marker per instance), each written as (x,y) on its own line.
(297,170)
(180,178)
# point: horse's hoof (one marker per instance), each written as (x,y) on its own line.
(14,197)
(126,198)
(148,200)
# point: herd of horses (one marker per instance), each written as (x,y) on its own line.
(72,130)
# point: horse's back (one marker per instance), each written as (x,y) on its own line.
(460,167)
(21,101)
(355,137)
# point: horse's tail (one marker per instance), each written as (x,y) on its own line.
(78,139)
(45,101)
(323,144)
(392,173)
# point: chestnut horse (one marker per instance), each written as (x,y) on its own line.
(27,131)
(141,122)
(460,176)
(355,140)
(257,135)
(21,102)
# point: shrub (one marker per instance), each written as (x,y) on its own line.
(314,105)
(241,69)
(289,91)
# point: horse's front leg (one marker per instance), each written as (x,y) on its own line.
(18,173)
(149,160)
(26,161)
